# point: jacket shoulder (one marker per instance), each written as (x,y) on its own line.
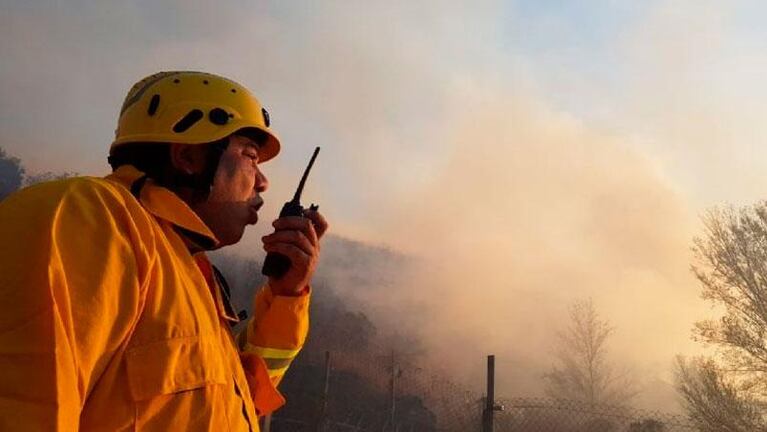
(91,205)
(75,185)
(91,193)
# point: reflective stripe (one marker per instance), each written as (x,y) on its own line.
(271,353)
(277,360)
(276,372)
(272,363)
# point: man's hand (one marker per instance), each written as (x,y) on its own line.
(298,238)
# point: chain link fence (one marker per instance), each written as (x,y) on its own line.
(363,386)
(367,393)
(543,415)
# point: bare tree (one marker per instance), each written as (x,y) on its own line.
(731,265)
(714,404)
(582,371)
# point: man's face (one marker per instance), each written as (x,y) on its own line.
(234,198)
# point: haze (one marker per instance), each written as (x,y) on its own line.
(524,154)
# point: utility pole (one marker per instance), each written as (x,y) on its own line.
(320,425)
(392,390)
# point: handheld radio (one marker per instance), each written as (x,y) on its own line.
(277,264)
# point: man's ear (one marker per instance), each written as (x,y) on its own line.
(189,159)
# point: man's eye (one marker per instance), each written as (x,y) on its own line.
(252,156)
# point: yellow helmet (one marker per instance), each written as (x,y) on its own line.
(191,108)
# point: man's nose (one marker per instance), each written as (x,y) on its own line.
(262,183)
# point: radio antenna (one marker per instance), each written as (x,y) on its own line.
(300,190)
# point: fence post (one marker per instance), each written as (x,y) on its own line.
(321,419)
(267,423)
(487,423)
(392,389)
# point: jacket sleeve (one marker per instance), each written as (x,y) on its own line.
(70,282)
(271,341)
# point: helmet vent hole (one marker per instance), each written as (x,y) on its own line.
(218,116)
(153,104)
(267,120)
(205,82)
(176,81)
(187,121)
(234,90)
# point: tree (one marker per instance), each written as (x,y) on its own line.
(582,371)
(712,403)
(11,174)
(47,176)
(730,390)
(647,425)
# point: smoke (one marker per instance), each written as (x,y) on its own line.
(515,175)
(531,211)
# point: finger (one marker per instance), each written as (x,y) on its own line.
(318,220)
(298,223)
(296,255)
(294,237)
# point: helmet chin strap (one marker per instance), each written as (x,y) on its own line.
(199,183)
(202,182)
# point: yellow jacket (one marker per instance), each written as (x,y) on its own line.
(109,322)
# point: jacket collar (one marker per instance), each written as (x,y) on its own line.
(165,204)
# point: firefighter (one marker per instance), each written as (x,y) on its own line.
(111,315)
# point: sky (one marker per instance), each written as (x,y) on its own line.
(525,153)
